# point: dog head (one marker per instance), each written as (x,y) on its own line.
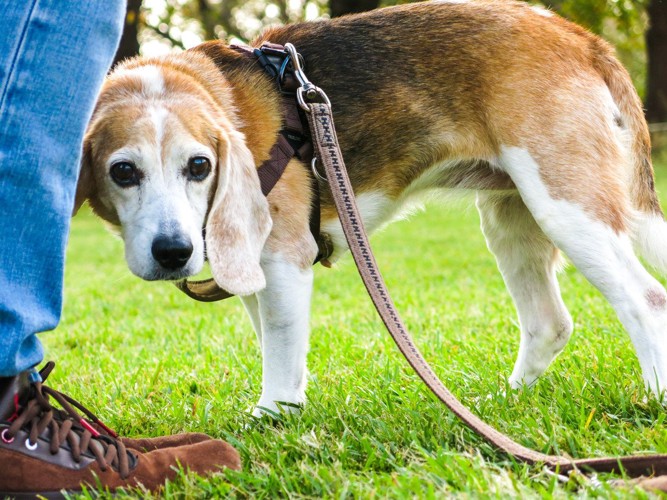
(163,159)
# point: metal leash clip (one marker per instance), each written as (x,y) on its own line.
(307,90)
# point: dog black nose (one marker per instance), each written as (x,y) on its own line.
(171,253)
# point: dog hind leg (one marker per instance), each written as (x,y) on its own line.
(602,252)
(528,261)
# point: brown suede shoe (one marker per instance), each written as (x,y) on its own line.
(161,442)
(145,444)
(141,444)
(46,451)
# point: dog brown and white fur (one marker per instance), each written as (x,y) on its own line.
(530,111)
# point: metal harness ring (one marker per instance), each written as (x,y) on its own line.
(316,173)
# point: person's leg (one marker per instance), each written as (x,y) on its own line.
(53,58)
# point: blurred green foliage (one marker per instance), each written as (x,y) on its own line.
(621,22)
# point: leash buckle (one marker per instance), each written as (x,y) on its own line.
(307,90)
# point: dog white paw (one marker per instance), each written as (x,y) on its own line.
(519,383)
(516,383)
(277,409)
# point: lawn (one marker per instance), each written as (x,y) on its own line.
(151,361)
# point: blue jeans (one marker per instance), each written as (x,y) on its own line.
(53,58)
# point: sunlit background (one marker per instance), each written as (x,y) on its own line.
(175,25)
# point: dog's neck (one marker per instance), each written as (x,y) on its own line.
(256,98)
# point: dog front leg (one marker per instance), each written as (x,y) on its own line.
(284,311)
(252,308)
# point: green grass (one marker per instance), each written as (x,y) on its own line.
(151,362)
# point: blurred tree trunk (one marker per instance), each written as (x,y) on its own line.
(656,75)
(207,17)
(342,7)
(129,42)
(215,15)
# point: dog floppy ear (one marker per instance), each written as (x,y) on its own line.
(86,184)
(239,221)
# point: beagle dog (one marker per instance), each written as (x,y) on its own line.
(531,112)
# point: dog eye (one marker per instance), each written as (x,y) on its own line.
(124,174)
(198,168)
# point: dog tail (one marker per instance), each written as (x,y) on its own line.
(643,195)
(650,229)
(649,233)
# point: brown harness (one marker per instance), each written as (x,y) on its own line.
(314,103)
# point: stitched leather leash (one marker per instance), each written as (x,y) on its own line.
(318,111)
(328,153)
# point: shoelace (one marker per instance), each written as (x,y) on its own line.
(66,425)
